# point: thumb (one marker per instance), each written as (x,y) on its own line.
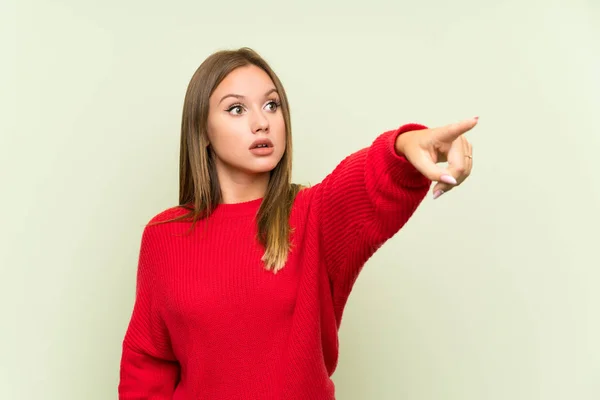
(426,166)
(451,132)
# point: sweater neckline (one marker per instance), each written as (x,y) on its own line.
(238,209)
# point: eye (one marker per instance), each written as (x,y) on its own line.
(273,105)
(236,109)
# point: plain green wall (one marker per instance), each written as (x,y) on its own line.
(488,293)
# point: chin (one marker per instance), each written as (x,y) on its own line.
(263,167)
(254,167)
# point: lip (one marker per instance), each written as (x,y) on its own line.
(258,142)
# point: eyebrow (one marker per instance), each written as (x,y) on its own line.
(239,96)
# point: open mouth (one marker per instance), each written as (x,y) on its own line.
(261,144)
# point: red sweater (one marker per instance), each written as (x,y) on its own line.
(209,322)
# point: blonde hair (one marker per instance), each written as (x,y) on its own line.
(199,189)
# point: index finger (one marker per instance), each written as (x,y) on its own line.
(451,132)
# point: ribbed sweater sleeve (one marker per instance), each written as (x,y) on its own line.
(148,367)
(367,198)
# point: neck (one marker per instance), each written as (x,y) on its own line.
(241,187)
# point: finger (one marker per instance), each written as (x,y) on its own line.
(423,162)
(451,132)
(456,167)
(442,187)
(468,157)
(459,165)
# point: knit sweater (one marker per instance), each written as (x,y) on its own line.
(210,322)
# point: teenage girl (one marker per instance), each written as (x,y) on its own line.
(242,286)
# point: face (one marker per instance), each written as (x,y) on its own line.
(246,129)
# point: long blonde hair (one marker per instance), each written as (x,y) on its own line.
(199,189)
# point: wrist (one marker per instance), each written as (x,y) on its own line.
(399,144)
(404,134)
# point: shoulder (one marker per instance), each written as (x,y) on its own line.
(167,220)
(304,201)
(163,224)
(303,195)
(306,193)
(170,214)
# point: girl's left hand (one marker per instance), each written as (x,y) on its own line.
(427,147)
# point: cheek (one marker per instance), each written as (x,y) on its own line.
(221,133)
(224,141)
(227,147)
(279,127)
(211,127)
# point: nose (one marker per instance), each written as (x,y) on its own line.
(260,123)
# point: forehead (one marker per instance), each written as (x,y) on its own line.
(246,81)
